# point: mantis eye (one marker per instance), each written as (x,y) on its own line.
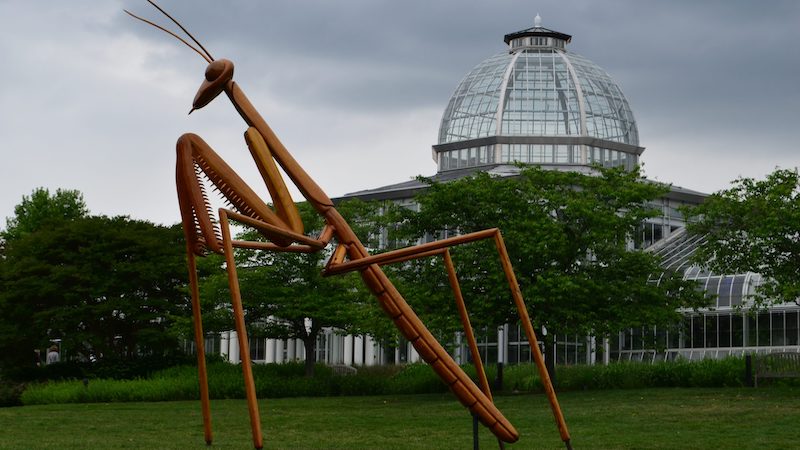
(215,70)
(218,74)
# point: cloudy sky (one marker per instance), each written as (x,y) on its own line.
(93,100)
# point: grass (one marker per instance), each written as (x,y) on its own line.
(660,418)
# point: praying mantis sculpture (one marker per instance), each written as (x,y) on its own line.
(284,231)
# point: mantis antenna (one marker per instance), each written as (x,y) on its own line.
(207,56)
(181,27)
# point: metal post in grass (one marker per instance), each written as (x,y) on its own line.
(475,444)
(748,370)
(498,381)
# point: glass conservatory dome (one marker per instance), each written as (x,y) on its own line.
(537,103)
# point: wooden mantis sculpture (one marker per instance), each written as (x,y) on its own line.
(284,231)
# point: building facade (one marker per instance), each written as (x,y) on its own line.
(538,103)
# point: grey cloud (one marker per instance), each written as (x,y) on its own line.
(716,78)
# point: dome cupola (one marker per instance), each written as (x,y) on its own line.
(537,37)
(537,103)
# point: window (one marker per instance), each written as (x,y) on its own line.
(792,329)
(737,330)
(737,290)
(561,154)
(674,338)
(750,331)
(712,288)
(537,153)
(576,155)
(637,338)
(697,332)
(711,330)
(724,298)
(778,328)
(257,349)
(764,334)
(724,330)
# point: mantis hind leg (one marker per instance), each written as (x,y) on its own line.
(241,332)
(199,342)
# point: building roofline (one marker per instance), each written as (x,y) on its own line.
(573,140)
(407,189)
(537,31)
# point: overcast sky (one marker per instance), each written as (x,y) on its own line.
(93,100)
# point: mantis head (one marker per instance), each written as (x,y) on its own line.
(218,74)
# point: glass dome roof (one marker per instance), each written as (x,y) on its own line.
(538,89)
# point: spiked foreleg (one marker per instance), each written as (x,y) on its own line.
(195,159)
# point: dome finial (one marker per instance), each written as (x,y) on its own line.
(537,21)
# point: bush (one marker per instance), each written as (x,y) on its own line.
(10,393)
(521,378)
(288,380)
(416,379)
(728,372)
(106,368)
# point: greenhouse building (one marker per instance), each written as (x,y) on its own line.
(536,102)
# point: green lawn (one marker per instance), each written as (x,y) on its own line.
(766,418)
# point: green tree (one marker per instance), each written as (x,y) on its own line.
(754,226)
(41,208)
(285,296)
(568,237)
(108,287)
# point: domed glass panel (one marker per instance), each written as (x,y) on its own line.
(544,92)
(540,98)
(608,114)
(472,111)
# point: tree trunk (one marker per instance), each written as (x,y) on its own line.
(311,358)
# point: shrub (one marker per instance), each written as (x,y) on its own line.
(10,393)
(288,380)
(106,368)
(521,378)
(726,372)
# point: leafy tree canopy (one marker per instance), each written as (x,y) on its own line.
(568,236)
(754,226)
(108,287)
(41,208)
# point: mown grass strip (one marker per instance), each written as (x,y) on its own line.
(662,418)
